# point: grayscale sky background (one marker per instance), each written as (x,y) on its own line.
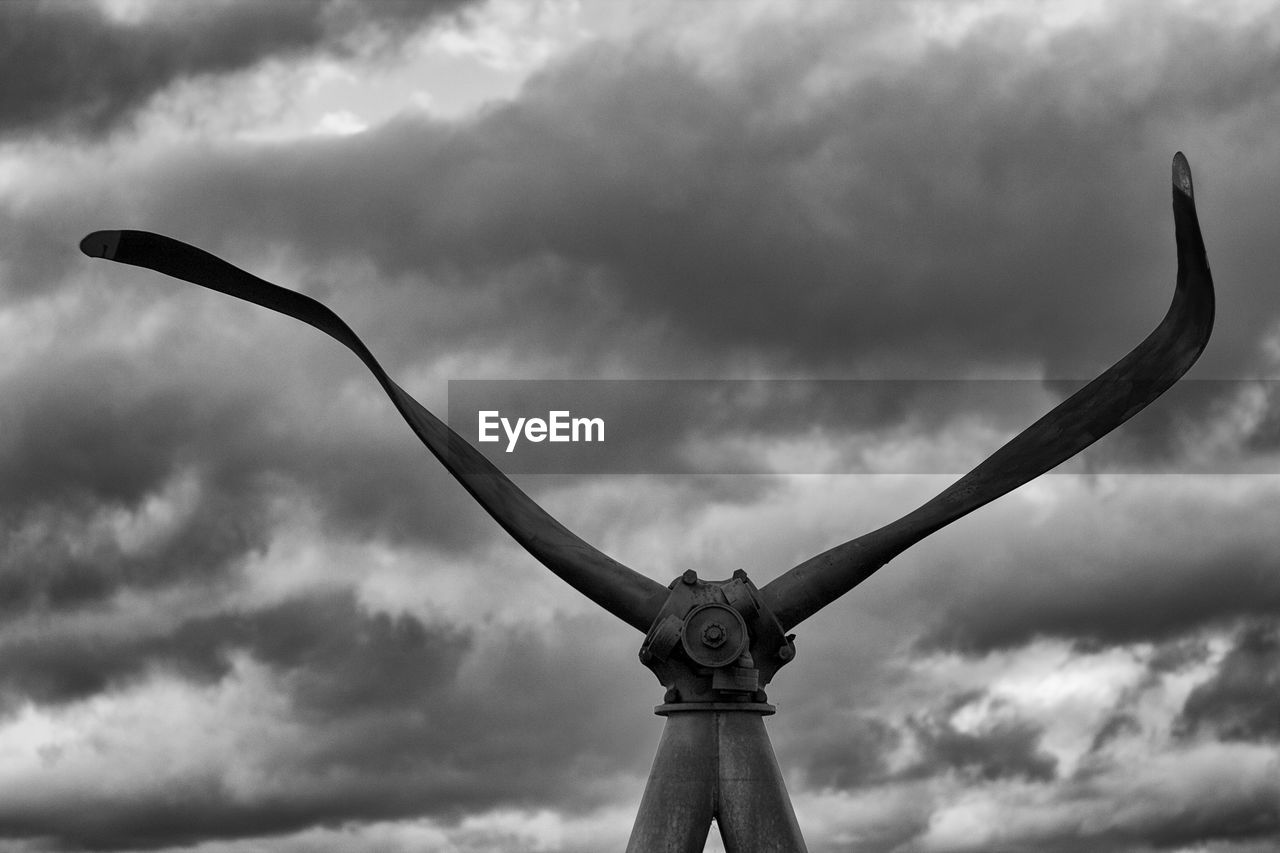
(243,611)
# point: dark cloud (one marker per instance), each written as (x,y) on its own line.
(633,182)
(385,729)
(1241,701)
(1178,655)
(843,750)
(1196,814)
(714,233)
(1001,749)
(1140,580)
(83,72)
(72,458)
(1168,658)
(336,659)
(992,207)
(55,562)
(1251,817)
(78,462)
(580,209)
(71,443)
(338,663)
(1265,435)
(1115,727)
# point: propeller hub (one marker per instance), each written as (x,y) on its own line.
(715,645)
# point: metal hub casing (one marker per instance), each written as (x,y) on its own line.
(714,635)
(714,645)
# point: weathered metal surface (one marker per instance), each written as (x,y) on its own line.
(752,807)
(680,798)
(715,765)
(729,646)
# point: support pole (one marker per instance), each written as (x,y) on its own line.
(753,809)
(715,764)
(680,798)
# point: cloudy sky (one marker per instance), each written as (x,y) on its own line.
(242,610)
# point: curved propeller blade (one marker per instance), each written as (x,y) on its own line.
(632,597)
(1080,420)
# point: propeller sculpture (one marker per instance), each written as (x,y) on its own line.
(715,645)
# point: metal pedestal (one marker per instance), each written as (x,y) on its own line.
(715,764)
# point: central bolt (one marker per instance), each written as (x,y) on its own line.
(713,636)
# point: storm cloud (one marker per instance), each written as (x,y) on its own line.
(86,71)
(242,608)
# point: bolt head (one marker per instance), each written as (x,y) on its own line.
(713,636)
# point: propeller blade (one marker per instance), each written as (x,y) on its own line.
(1080,420)
(632,597)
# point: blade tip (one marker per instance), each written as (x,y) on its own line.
(1182,175)
(101,244)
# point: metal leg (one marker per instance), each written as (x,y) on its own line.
(715,764)
(754,811)
(679,799)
